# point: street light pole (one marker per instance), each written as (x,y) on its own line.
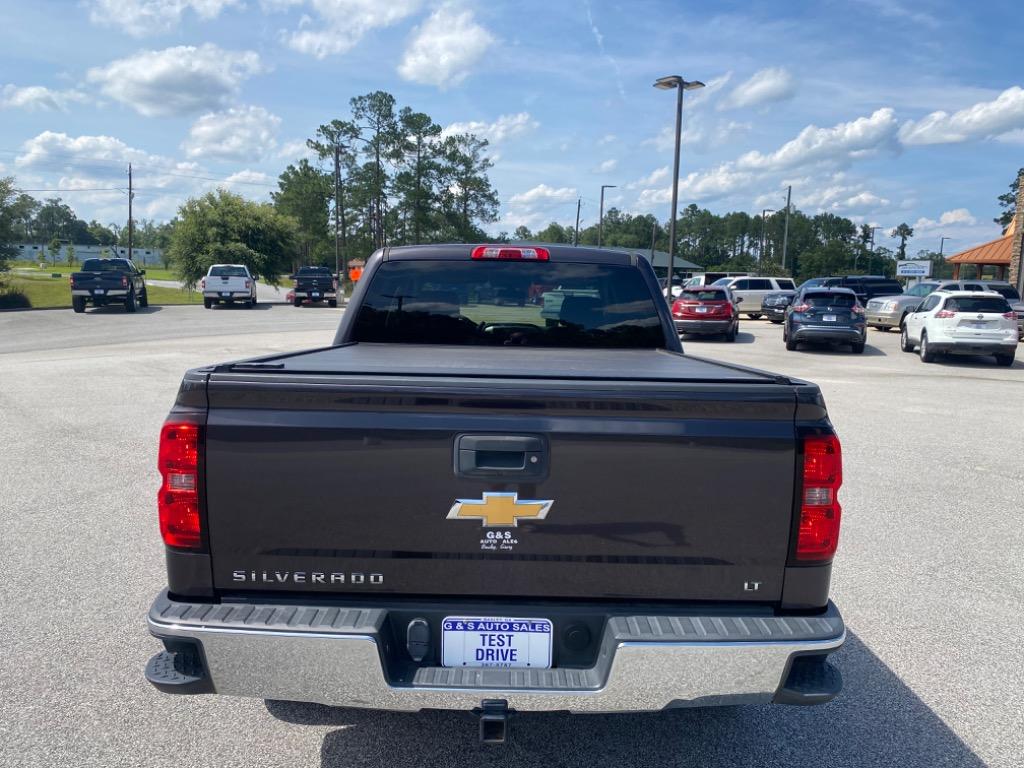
(600,215)
(871,253)
(665,84)
(942,243)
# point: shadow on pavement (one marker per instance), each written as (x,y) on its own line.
(741,338)
(876,721)
(838,349)
(118,309)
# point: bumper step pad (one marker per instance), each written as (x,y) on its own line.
(179,671)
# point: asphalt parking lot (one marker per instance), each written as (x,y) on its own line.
(930,573)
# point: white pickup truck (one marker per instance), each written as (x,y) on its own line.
(228,283)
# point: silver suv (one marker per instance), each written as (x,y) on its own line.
(885,312)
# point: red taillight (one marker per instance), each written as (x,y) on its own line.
(819,505)
(802,308)
(124,282)
(945,314)
(858,310)
(1010,315)
(202,284)
(178,498)
(510,252)
(72,279)
(247,285)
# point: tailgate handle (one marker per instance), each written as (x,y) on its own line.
(523,457)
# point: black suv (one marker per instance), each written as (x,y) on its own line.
(865,286)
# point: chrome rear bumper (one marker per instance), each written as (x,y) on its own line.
(340,657)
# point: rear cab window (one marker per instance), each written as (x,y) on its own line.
(106,265)
(785,285)
(228,272)
(513,303)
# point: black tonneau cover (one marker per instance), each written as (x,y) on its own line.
(508,362)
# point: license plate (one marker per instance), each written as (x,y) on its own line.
(829,318)
(98,291)
(474,641)
(315,294)
(226,293)
(978,324)
(702,310)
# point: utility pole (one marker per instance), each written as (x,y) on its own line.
(785,231)
(576,235)
(131,195)
(872,251)
(938,266)
(600,215)
(337,217)
(654,235)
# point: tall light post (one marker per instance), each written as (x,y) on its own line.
(872,251)
(666,84)
(764,214)
(600,215)
(942,242)
(785,231)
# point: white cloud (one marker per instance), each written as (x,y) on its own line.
(837,145)
(340,24)
(700,185)
(608,138)
(444,48)
(505,127)
(607,166)
(700,133)
(242,133)
(956,217)
(657,176)
(835,198)
(764,87)
(33,97)
(296,150)
(247,177)
(543,193)
(51,149)
(983,120)
(148,17)
(175,81)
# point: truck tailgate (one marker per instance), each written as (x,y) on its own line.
(657,476)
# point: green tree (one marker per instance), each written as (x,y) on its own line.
(100,234)
(9,220)
(555,233)
(70,254)
(522,232)
(467,196)
(416,179)
(54,249)
(1008,202)
(224,227)
(54,219)
(904,232)
(304,193)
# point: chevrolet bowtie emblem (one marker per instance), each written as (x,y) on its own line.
(499,510)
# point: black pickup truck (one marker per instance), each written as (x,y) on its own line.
(108,281)
(539,512)
(315,284)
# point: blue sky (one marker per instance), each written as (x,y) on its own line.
(880,111)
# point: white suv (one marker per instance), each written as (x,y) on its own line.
(962,322)
(750,290)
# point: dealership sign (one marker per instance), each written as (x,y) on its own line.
(919,268)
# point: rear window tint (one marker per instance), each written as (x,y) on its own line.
(786,285)
(705,295)
(105,265)
(315,272)
(227,272)
(830,299)
(509,303)
(980,304)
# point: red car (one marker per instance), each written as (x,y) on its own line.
(706,310)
